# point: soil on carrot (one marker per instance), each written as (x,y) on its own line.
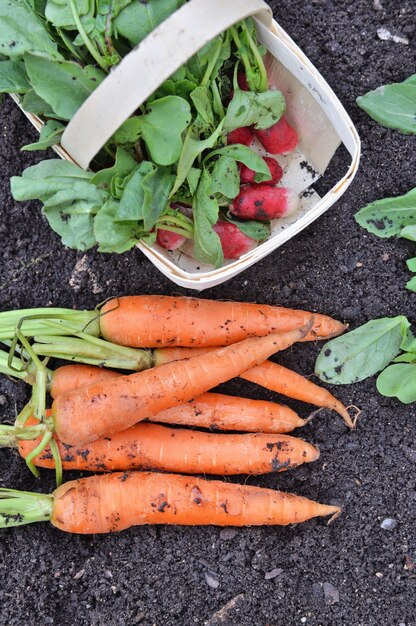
(353,572)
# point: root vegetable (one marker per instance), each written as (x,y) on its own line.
(280,138)
(113,502)
(260,202)
(234,242)
(248,176)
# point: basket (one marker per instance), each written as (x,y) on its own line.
(312,108)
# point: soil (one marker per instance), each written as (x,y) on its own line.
(352,572)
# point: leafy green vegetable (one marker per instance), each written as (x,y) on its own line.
(192,148)
(411,284)
(248,157)
(409,232)
(138,19)
(43,180)
(226,177)
(156,186)
(32,103)
(259,231)
(74,223)
(162,128)
(133,198)
(50,135)
(361,352)
(411,264)
(23,31)
(393,106)
(114,236)
(386,218)
(207,244)
(248,108)
(124,165)
(64,85)
(13,77)
(202,102)
(398,381)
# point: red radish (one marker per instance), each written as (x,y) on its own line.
(244,135)
(259,202)
(242,81)
(234,243)
(169,240)
(247,175)
(279,138)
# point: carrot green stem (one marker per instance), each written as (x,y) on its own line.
(58,461)
(84,348)
(34,453)
(23,507)
(32,322)
(39,387)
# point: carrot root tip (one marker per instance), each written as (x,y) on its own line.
(313,414)
(358,412)
(334,516)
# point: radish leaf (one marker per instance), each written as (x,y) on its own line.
(245,155)
(398,381)
(162,128)
(248,108)
(50,135)
(13,77)
(138,19)
(386,218)
(226,177)
(207,244)
(393,106)
(362,352)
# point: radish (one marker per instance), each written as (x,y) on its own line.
(169,240)
(242,81)
(279,138)
(234,242)
(259,202)
(243,135)
(248,176)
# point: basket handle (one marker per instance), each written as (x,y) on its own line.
(144,69)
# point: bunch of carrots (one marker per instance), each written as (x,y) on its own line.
(106,421)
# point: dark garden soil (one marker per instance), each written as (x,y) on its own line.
(351,573)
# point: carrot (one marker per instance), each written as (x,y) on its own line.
(113,502)
(152,446)
(158,321)
(210,410)
(274,377)
(220,412)
(68,377)
(103,408)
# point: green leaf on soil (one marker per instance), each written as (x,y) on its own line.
(362,352)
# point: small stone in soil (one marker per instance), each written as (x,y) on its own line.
(388,523)
(273,573)
(212,580)
(228,533)
(331,594)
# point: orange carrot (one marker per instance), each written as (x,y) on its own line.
(103,408)
(112,502)
(152,446)
(274,377)
(215,411)
(220,412)
(73,376)
(158,321)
